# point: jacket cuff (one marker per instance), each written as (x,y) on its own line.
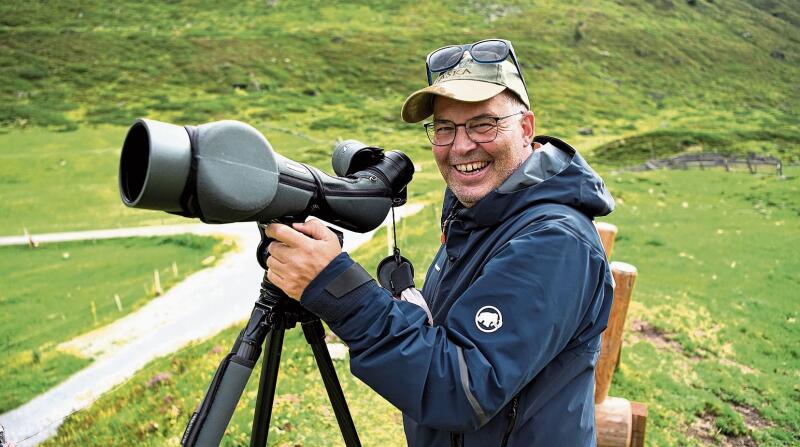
(337,289)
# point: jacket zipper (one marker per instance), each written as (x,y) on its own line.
(512,419)
(457,439)
(435,296)
(447,220)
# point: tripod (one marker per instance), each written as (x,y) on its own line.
(272,314)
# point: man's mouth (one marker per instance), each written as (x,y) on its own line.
(472,167)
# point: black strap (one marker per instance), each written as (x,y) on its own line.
(189,199)
(402,277)
(347,281)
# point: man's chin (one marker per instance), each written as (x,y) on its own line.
(469,198)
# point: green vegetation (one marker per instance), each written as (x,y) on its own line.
(666,143)
(620,68)
(153,407)
(636,78)
(710,339)
(58,291)
(712,330)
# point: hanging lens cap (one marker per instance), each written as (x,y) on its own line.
(395,277)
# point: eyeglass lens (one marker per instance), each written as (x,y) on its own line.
(490,51)
(479,130)
(445,58)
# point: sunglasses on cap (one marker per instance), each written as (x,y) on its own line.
(489,51)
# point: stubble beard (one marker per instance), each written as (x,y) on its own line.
(501,171)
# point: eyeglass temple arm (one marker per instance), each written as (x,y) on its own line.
(516,64)
(428,72)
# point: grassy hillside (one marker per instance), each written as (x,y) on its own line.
(58,291)
(337,69)
(711,337)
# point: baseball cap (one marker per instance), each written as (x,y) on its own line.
(468,81)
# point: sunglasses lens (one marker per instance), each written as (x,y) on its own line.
(490,51)
(444,58)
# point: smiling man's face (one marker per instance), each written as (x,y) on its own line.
(472,170)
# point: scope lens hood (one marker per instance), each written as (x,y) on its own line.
(154,165)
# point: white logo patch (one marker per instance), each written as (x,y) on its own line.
(488,319)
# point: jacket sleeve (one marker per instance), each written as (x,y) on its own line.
(456,378)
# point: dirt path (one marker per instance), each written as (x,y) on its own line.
(199,307)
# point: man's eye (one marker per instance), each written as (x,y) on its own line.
(481,127)
(444,129)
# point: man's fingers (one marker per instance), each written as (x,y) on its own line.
(314,228)
(279,250)
(275,278)
(285,234)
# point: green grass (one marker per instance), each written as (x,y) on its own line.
(716,295)
(717,289)
(155,414)
(649,78)
(637,149)
(48,294)
(622,68)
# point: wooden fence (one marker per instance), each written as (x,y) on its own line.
(705,160)
(619,422)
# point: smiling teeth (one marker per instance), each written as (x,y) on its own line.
(469,167)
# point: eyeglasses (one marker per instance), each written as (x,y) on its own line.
(490,51)
(481,129)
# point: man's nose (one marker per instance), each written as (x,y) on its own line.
(462,143)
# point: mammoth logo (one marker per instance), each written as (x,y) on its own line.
(488,319)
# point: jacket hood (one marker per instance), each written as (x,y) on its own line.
(554,173)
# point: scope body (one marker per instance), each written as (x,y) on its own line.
(226,171)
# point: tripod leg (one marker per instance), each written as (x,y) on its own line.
(208,423)
(266,386)
(315,335)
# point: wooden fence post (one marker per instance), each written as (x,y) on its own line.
(608,233)
(624,277)
(157,283)
(618,422)
(614,421)
(638,423)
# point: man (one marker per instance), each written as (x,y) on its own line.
(519,291)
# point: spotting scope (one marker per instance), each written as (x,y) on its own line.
(226,171)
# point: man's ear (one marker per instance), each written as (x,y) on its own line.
(528,127)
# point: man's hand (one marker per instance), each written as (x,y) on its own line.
(298,253)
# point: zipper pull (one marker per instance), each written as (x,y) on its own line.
(513,412)
(512,420)
(450,215)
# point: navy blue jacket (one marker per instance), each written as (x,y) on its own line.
(520,293)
